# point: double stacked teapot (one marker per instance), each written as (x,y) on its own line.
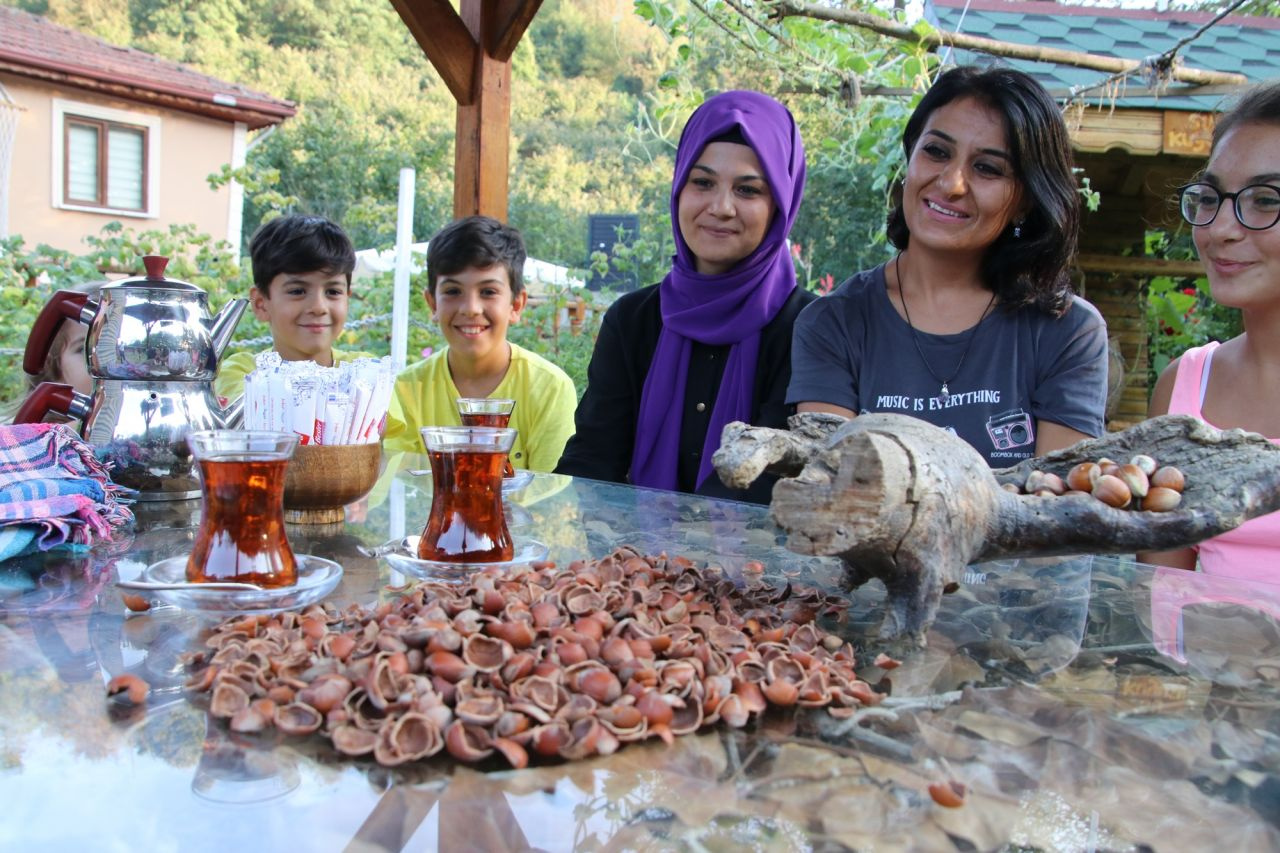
(152,350)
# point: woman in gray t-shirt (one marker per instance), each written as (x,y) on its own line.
(972,326)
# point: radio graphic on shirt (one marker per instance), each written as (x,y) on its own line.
(1010,429)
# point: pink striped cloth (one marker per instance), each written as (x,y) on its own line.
(53,490)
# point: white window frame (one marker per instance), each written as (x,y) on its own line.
(63,110)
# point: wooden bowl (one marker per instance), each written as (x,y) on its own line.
(322,479)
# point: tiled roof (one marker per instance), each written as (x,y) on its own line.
(1238,43)
(32,46)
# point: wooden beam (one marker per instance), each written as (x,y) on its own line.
(1140,267)
(451,48)
(508,20)
(482,142)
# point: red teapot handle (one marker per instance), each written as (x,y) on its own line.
(63,305)
(47,397)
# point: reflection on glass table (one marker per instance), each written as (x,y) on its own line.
(1048,688)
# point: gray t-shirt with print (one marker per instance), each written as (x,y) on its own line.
(851,348)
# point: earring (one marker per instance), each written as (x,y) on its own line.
(1017,229)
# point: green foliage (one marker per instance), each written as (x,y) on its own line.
(259,185)
(647,259)
(543,329)
(323,163)
(853,144)
(1092,198)
(1180,311)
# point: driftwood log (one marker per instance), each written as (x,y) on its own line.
(911,504)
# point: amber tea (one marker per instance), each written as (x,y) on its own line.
(488,412)
(242,536)
(485,420)
(466,524)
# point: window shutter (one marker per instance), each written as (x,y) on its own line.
(82,163)
(125,170)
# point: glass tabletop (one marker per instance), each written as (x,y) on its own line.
(1084,703)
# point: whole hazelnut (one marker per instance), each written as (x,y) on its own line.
(1112,491)
(1039,481)
(1082,476)
(1134,478)
(1161,499)
(1053,483)
(1168,477)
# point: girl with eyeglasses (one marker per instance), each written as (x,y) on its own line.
(1233,208)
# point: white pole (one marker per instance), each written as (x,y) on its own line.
(396,501)
(400,302)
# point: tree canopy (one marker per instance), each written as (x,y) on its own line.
(601,90)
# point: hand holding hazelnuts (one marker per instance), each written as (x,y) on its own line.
(1139,484)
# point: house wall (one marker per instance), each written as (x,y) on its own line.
(191,148)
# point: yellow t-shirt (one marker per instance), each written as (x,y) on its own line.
(543,417)
(234,368)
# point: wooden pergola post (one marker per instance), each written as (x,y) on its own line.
(472,51)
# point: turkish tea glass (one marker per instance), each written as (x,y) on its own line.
(466,524)
(491,412)
(241,535)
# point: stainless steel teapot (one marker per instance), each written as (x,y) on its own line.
(146,327)
(153,350)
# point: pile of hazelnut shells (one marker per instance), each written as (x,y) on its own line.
(1140,484)
(539,660)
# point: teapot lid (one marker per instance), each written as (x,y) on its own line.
(154,265)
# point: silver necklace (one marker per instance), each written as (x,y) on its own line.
(946,383)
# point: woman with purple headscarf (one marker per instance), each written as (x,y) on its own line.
(711,343)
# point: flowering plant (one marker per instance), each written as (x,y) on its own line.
(1181,313)
(805,274)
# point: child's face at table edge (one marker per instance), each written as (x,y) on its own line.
(474,307)
(306,313)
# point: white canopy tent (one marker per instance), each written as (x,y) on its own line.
(538,275)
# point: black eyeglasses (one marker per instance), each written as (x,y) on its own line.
(1257,206)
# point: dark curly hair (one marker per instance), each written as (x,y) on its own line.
(1031,269)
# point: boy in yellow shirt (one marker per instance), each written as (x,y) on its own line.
(302,269)
(475,288)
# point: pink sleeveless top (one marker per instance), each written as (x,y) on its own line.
(1252,550)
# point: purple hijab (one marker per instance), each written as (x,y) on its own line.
(729,308)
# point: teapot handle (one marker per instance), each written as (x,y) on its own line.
(63,305)
(52,397)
